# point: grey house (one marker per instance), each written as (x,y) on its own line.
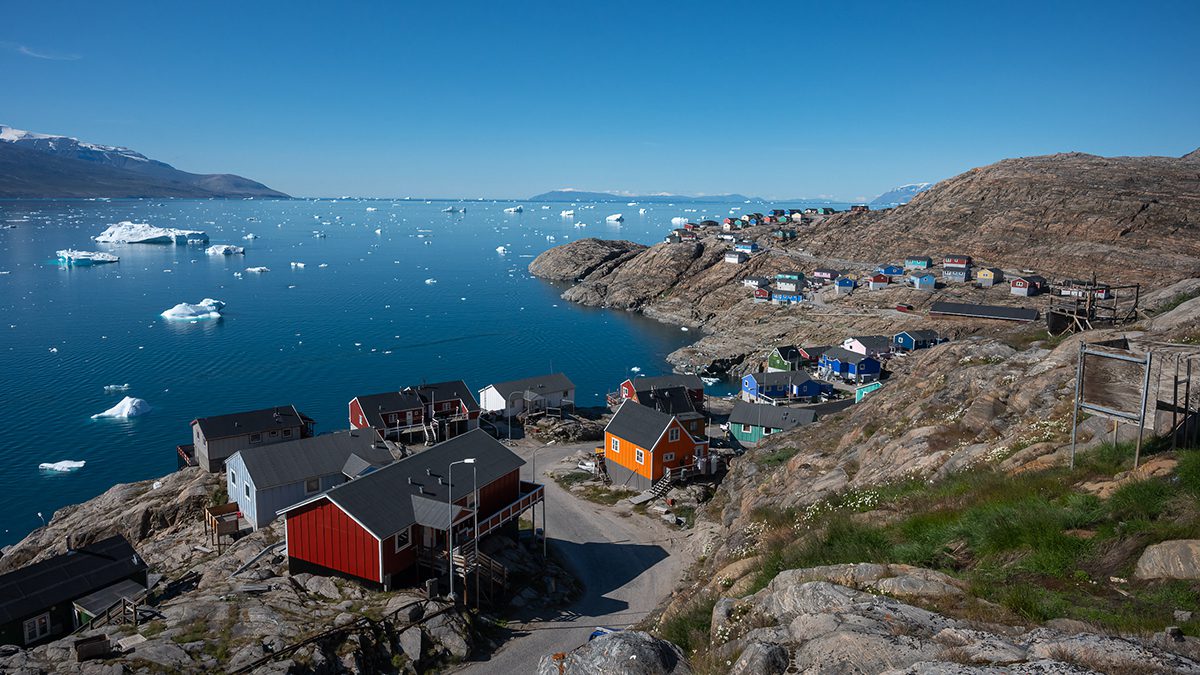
(265,480)
(215,439)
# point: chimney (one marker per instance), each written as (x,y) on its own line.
(70,549)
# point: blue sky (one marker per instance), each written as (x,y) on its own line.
(496,99)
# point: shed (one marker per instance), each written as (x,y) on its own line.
(750,423)
(923,282)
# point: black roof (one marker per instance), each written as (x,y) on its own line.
(815,352)
(670,400)
(771,416)
(539,384)
(294,461)
(788,352)
(672,380)
(375,405)
(35,588)
(984,311)
(877,343)
(844,355)
(409,491)
(778,378)
(920,334)
(442,391)
(638,424)
(251,422)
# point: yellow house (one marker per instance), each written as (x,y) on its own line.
(989,276)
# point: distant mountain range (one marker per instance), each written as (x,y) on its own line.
(572,195)
(34,165)
(900,195)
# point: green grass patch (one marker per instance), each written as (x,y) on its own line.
(689,628)
(1176,301)
(777,457)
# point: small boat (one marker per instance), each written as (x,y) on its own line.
(80,258)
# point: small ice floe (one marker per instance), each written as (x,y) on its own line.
(54,350)
(379,230)
(615,218)
(62,465)
(683,328)
(451,209)
(128,407)
(112,388)
(550,237)
(372,208)
(501,250)
(70,256)
(323,265)
(205,309)
(258,270)
(710,381)
(636,369)
(567,213)
(514,209)
(430,281)
(225,249)
(580,224)
(126,232)
(317,234)
(296,265)
(238,275)
(250,236)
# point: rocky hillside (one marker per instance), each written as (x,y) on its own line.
(1129,219)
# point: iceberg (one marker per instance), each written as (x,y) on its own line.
(127,232)
(679,221)
(70,256)
(225,249)
(501,250)
(372,208)
(128,407)
(430,281)
(295,265)
(109,388)
(514,209)
(250,236)
(568,213)
(258,270)
(205,309)
(63,465)
(615,218)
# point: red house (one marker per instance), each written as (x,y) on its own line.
(762,295)
(429,412)
(636,388)
(955,260)
(396,525)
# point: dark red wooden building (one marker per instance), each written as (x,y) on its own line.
(429,412)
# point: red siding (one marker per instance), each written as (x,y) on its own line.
(499,493)
(627,389)
(394,563)
(322,534)
(357,419)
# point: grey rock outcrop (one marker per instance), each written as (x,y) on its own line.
(1177,559)
(625,652)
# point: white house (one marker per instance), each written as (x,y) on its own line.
(868,345)
(531,394)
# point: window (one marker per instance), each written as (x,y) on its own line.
(256,438)
(673,435)
(745,428)
(767,431)
(669,457)
(403,539)
(616,445)
(233,478)
(641,456)
(37,628)
(274,433)
(287,433)
(247,490)
(312,485)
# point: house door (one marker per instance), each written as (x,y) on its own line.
(408,418)
(427,538)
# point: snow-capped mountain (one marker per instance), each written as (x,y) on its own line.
(47,165)
(900,195)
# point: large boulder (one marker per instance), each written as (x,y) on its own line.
(626,652)
(1178,559)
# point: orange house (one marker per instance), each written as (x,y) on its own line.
(641,444)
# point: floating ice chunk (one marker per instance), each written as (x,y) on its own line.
(642,211)
(679,221)
(550,237)
(379,230)
(683,328)
(110,388)
(430,281)
(258,270)
(70,256)
(636,369)
(615,218)
(126,232)
(501,250)
(128,407)
(514,209)
(205,309)
(250,236)
(323,265)
(567,213)
(298,265)
(54,350)
(225,249)
(63,465)
(372,208)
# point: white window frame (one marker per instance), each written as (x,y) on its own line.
(639,456)
(615,445)
(673,435)
(247,490)
(40,625)
(669,457)
(396,545)
(746,428)
(314,490)
(233,478)
(767,431)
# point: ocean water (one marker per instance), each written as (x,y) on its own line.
(395,293)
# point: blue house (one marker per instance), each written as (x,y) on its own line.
(270,478)
(890,270)
(923,282)
(915,339)
(843,364)
(844,284)
(746,246)
(781,385)
(780,296)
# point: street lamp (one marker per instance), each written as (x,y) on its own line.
(535,451)
(450,511)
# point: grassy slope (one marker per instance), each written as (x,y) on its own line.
(1032,547)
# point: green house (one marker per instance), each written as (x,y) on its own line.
(784,359)
(750,423)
